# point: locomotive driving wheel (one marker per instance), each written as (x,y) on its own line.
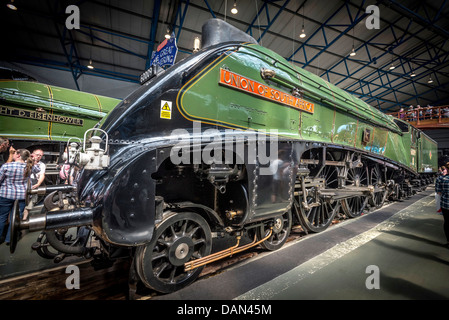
(356,177)
(318,218)
(179,238)
(376,180)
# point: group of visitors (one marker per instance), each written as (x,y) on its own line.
(22,166)
(422,113)
(15,172)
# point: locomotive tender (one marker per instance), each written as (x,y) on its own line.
(232,140)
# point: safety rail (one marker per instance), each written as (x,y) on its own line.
(424,117)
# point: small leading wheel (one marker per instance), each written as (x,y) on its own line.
(357,177)
(179,238)
(281,231)
(376,180)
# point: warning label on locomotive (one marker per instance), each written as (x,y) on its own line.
(242,83)
(165,109)
(43,116)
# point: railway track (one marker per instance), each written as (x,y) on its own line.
(110,283)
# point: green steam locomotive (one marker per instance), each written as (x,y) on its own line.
(233,141)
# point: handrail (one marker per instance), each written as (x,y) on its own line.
(426,113)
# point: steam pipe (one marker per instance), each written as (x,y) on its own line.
(49,221)
(59,219)
(49,189)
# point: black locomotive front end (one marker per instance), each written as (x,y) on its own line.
(141,132)
(135,201)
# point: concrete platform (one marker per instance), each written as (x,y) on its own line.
(402,240)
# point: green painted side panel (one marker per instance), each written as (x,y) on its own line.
(317,88)
(30,110)
(395,149)
(205,99)
(379,141)
(318,126)
(346,128)
(428,156)
(414,152)
(337,117)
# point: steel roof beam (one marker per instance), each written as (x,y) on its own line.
(427,63)
(210,9)
(181,16)
(249,30)
(443,87)
(322,27)
(365,82)
(398,41)
(406,81)
(269,20)
(57,65)
(428,24)
(113,45)
(72,54)
(153,30)
(415,79)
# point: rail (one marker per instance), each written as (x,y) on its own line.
(427,117)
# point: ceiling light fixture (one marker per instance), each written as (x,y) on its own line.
(413,74)
(430,80)
(352,54)
(234,8)
(196,44)
(90,66)
(167,35)
(303,34)
(11,5)
(392,66)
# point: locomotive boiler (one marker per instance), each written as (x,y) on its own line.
(234,141)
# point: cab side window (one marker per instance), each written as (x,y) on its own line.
(402,125)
